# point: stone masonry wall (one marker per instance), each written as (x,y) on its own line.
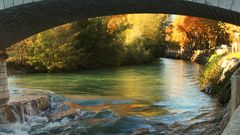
(4,93)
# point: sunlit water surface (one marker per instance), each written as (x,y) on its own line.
(161,98)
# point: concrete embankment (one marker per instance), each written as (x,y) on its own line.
(233,127)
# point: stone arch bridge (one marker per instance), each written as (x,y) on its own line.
(20,19)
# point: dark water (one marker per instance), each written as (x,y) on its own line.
(162,98)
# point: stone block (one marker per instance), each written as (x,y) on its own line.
(8,3)
(1,4)
(4,63)
(4,95)
(37,0)
(233,126)
(199,1)
(3,81)
(212,2)
(3,69)
(18,2)
(27,1)
(236,6)
(29,19)
(226,4)
(2,88)
(3,75)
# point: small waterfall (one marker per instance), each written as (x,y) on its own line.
(16,110)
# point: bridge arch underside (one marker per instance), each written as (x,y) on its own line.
(20,22)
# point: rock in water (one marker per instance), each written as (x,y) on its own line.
(16,109)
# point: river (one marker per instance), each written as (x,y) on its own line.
(161,98)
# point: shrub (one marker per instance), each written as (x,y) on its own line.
(211,72)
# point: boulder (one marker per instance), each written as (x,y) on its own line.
(18,108)
(229,67)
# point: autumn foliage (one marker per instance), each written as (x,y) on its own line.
(194,33)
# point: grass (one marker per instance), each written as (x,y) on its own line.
(212,73)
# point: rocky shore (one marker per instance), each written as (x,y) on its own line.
(197,56)
(222,87)
(17,108)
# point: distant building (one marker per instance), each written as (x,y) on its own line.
(223,49)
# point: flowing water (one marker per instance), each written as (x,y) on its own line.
(162,98)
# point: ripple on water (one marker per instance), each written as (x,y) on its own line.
(158,98)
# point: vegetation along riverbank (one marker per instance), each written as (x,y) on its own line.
(123,40)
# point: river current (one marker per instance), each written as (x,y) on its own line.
(161,98)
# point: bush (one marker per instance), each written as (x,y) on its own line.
(98,47)
(211,72)
(135,54)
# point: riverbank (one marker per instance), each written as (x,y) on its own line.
(115,101)
(18,69)
(197,56)
(215,77)
(216,73)
(20,107)
(222,114)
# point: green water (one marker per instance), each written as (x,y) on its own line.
(164,92)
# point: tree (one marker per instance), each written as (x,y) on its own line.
(98,46)
(150,31)
(18,52)
(52,50)
(198,33)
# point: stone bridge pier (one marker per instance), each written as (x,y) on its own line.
(4,92)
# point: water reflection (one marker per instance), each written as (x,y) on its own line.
(165,92)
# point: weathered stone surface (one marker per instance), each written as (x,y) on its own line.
(228,68)
(24,20)
(226,115)
(3,96)
(4,93)
(233,127)
(16,109)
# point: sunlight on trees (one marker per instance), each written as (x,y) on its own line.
(194,33)
(93,43)
(146,26)
(119,40)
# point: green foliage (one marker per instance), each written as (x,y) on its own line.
(155,49)
(172,45)
(232,55)
(50,51)
(136,54)
(143,51)
(18,53)
(97,46)
(211,72)
(91,43)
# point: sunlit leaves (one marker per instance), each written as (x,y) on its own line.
(52,50)
(198,33)
(146,26)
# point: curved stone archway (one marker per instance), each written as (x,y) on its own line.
(20,19)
